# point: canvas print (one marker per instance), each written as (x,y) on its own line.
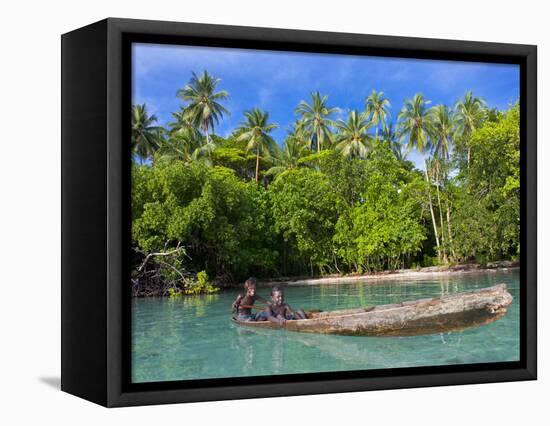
(298,212)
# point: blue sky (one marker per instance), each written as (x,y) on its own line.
(278,81)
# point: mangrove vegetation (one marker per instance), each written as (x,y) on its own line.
(338,195)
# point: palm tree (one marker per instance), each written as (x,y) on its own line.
(181,122)
(439,170)
(352,138)
(255,131)
(145,136)
(391,137)
(289,156)
(470,112)
(415,122)
(204,107)
(444,123)
(186,145)
(299,134)
(377,108)
(315,118)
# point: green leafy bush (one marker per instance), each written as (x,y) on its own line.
(201,285)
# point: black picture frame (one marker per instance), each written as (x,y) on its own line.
(96,212)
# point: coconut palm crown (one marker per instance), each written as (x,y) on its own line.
(181,122)
(255,131)
(145,136)
(377,108)
(204,108)
(469,112)
(288,157)
(415,123)
(186,145)
(443,123)
(390,136)
(315,118)
(352,139)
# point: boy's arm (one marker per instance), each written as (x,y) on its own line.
(237,301)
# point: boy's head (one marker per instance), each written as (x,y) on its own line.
(277,296)
(250,286)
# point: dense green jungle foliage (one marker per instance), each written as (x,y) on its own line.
(336,196)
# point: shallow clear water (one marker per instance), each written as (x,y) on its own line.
(193,338)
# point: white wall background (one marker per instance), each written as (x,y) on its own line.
(30,211)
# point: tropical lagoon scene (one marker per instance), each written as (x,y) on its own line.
(304,212)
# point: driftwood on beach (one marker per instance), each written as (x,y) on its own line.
(425,316)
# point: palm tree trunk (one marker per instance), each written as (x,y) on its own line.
(318,142)
(445,260)
(448,211)
(206,133)
(431,207)
(469,143)
(257,162)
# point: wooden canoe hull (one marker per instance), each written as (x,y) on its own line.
(427,316)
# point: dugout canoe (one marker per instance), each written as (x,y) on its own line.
(425,316)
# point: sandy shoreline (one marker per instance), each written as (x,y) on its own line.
(404,274)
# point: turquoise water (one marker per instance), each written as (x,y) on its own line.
(193,338)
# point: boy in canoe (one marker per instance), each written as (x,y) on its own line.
(278,311)
(244,303)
